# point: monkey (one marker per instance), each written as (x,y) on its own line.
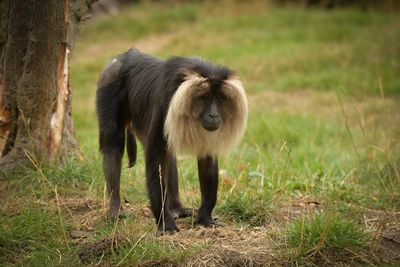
(179,106)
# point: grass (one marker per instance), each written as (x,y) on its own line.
(246,208)
(35,232)
(324,235)
(315,180)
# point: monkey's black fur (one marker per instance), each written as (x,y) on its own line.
(133,96)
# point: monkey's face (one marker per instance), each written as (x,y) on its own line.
(206,118)
(213,107)
(210,116)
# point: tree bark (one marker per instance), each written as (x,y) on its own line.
(36,40)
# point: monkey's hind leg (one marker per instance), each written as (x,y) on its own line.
(112,148)
(112,173)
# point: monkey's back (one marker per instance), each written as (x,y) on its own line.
(140,74)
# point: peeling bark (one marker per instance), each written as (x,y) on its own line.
(36,37)
(57,118)
(5,121)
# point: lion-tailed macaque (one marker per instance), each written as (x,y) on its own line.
(181,106)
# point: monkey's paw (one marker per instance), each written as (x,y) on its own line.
(114,214)
(208,222)
(167,230)
(183,212)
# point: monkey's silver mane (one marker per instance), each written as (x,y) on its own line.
(185,134)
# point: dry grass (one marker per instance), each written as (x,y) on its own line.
(227,246)
(230,245)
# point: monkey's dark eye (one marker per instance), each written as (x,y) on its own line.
(206,96)
(219,96)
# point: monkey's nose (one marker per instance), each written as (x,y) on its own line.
(213,115)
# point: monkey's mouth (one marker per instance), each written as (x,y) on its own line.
(210,127)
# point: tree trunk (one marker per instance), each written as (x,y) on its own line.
(36,38)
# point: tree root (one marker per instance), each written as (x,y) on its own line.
(12,163)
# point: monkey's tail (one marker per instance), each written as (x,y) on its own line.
(131,146)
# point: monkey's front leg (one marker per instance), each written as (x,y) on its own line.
(170,174)
(208,175)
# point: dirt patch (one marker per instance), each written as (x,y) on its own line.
(388,247)
(84,212)
(102,247)
(385,226)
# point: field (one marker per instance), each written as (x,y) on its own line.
(315,181)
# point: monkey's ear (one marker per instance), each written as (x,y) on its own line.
(235,82)
(192,74)
(233,88)
(189,72)
(232,76)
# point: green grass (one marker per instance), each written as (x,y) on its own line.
(323,236)
(245,207)
(317,173)
(35,233)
